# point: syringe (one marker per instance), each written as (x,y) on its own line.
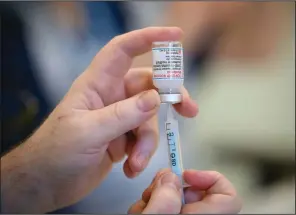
(173,140)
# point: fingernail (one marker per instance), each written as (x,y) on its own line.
(171,180)
(148,100)
(142,160)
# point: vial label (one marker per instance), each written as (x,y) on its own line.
(168,61)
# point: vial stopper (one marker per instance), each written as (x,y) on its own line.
(171,98)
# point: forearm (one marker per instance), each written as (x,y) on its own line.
(24,184)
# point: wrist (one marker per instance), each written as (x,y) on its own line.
(25,187)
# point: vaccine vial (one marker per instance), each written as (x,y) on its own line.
(168,73)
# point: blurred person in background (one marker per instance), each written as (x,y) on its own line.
(23,101)
(215,32)
(45,46)
(47,36)
(233,30)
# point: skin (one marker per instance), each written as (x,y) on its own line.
(209,193)
(74,149)
(108,114)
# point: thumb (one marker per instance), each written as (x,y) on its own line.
(166,196)
(114,120)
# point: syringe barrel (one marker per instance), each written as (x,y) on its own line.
(174,148)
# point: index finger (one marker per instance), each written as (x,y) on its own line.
(210,181)
(114,60)
(140,79)
(220,196)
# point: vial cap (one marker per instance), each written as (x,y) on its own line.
(171,98)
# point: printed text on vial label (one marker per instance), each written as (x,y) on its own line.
(167,63)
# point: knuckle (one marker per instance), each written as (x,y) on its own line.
(218,176)
(79,126)
(158,177)
(222,179)
(116,40)
(161,173)
(117,112)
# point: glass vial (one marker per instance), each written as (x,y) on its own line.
(168,73)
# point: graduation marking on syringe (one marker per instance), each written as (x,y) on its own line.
(171,142)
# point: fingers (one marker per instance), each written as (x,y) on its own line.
(139,79)
(117,148)
(211,181)
(187,107)
(123,116)
(121,146)
(131,142)
(137,207)
(122,49)
(166,196)
(214,204)
(220,195)
(192,194)
(210,192)
(113,61)
(147,193)
(139,154)
(146,144)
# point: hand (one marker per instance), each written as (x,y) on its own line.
(209,193)
(74,149)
